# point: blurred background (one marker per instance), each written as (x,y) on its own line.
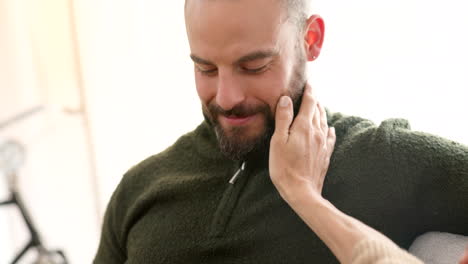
(113,83)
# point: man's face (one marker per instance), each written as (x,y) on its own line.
(246,56)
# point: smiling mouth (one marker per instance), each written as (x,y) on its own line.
(237,120)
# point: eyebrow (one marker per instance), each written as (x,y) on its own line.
(199,60)
(260,54)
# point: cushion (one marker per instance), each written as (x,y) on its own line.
(439,248)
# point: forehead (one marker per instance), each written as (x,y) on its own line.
(218,29)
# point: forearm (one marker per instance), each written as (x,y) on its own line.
(340,232)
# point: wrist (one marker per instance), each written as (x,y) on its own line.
(305,196)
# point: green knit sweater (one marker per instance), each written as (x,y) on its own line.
(178,206)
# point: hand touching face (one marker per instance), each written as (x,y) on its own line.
(300,149)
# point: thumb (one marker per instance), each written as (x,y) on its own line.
(283,118)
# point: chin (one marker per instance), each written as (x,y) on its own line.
(239,142)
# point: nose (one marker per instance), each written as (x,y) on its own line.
(230,92)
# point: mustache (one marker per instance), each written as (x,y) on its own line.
(239,110)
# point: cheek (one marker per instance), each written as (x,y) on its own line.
(206,89)
(270,87)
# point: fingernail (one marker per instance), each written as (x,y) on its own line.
(284,101)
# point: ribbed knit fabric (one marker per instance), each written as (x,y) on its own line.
(178,207)
(373,251)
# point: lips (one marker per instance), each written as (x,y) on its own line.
(236,120)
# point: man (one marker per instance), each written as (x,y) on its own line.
(210,198)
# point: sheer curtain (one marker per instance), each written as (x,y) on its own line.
(38,67)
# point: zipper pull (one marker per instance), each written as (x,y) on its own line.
(233,179)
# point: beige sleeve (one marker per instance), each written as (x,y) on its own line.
(373,251)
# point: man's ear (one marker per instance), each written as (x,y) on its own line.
(313,37)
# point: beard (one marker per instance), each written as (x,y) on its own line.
(233,142)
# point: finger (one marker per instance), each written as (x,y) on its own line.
(308,103)
(331,140)
(283,118)
(303,121)
(330,145)
(316,121)
(323,118)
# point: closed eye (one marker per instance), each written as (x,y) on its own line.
(255,70)
(209,72)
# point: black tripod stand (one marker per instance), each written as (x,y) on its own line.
(44,255)
(11,158)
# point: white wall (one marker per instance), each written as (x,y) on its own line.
(399,58)
(138,80)
(381,59)
(37,67)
